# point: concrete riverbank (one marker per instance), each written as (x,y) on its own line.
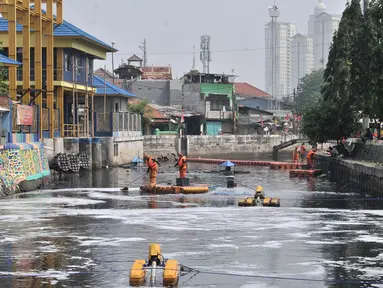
(364,168)
(204,145)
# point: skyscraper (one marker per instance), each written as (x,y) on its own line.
(322,26)
(277,55)
(302,62)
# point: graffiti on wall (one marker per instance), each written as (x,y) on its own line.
(17,165)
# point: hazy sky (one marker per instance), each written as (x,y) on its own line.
(173,27)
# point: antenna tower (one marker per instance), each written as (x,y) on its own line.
(274,14)
(143,48)
(193,68)
(205,54)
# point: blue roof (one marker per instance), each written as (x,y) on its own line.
(8,61)
(227,164)
(64,30)
(111,89)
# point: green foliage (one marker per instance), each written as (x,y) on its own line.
(337,74)
(325,120)
(4,87)
(309,90)
(143,109)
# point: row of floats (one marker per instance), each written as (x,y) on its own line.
(157,189)
(296,169)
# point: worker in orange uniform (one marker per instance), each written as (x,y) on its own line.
(311,158)
(152,168)
(296,155)
(181,163)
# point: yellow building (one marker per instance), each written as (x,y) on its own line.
(57,78)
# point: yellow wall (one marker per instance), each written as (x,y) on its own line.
(62,42)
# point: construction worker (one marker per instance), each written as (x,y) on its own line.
(181,163)
(311,158)
(152,168)
(296,155)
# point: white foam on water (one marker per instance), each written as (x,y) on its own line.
(370,238)
(325,242)
(100,241)
(218,246)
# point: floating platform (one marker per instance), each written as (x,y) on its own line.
(285,166)
(267,201)
(305,173)
(174,189)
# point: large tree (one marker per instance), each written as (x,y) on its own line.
(337,75)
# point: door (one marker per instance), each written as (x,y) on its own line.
(213,127)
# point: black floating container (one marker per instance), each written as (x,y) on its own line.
(182,182)
(230,182)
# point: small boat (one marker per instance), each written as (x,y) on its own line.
(259,199)
(144,272)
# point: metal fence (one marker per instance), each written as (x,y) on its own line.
(121,121)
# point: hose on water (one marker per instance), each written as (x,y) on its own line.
(126,188)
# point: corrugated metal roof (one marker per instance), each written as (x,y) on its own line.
(8,61)
(64,30)
(111,90)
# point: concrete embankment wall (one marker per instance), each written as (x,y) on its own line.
(228,144)
(365,169)
(210,145)
(102,151)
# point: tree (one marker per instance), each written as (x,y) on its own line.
(309,90)
(144,110)
(321,121)
(337,74)
(365,68)
(4,87)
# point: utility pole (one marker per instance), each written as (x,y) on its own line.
(113,43)
(143,47)
(193,68)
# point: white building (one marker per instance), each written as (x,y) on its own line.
(322,26)
(282,62)
(302,62)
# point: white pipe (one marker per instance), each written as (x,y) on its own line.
(153,272)
(49,148)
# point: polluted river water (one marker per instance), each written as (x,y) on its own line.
(87,232)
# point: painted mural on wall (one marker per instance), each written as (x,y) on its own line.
(26,163)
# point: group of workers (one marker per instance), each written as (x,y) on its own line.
(153,165)
(303,154)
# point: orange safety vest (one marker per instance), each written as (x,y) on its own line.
(310,155)
(151,164)
(182,162)
(295,155)
(303,149)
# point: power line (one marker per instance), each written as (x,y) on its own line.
(221,51)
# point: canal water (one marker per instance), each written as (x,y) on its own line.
(73,235)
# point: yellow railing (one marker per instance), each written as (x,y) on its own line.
(45,119)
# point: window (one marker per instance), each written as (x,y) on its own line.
(67,63)
(78,65)
(218,103)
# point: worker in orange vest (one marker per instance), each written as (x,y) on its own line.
(181,163)
(311,158)
(152,168)
(296,155)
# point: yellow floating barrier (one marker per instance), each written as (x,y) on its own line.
(174,189)
(137,273)
(171,273)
